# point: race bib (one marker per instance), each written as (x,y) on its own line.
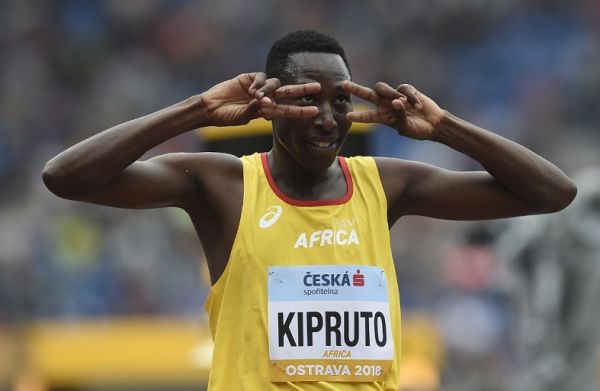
(329,323)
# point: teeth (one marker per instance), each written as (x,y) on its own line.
(322,144)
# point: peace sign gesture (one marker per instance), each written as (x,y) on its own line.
(410,112)
(252,95)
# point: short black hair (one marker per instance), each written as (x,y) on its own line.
(300,42)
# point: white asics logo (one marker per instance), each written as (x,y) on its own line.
(271,217)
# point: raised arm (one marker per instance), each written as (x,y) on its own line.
(517,181)
(104,168)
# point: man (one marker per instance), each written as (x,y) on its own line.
(304,293)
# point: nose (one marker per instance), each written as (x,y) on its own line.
(325,120)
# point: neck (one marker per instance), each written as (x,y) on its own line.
(294,178)
(286,168)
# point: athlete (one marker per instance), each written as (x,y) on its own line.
(304,293)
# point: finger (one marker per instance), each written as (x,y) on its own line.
(398,104)
(387,91)
(288,111)
(297,90)
(270,86)
(369,116)
(252,108)
(400,113)
(259,79)
(411,94)
(361,91)
(253,102)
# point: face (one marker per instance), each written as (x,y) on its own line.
(315,142)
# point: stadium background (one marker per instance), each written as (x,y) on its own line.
(93,298)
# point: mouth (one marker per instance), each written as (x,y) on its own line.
(323,144)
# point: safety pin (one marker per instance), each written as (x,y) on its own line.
(275,275)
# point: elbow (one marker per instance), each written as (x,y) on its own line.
(57,181)
(562,197)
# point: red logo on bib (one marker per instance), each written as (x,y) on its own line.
(358,279)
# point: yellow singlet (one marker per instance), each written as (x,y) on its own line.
(309,298)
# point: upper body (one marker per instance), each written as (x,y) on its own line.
(308,97)
(307,93)
(309,285)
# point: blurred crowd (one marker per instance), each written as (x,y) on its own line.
(529,70)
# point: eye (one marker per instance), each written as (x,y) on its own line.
(342,99)
(306,99)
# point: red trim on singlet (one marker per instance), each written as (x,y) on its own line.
(291,201)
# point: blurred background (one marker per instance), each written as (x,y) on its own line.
(94,298)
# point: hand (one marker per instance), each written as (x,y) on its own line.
(249,96)
(405,109)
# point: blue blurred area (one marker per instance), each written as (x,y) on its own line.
(529,70)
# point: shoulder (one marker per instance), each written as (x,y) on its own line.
(210,174)
(203,164)
(386,168)
(392,173)
(389,165)
(398,176)
(401,170)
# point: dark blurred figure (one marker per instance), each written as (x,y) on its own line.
(556,265)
